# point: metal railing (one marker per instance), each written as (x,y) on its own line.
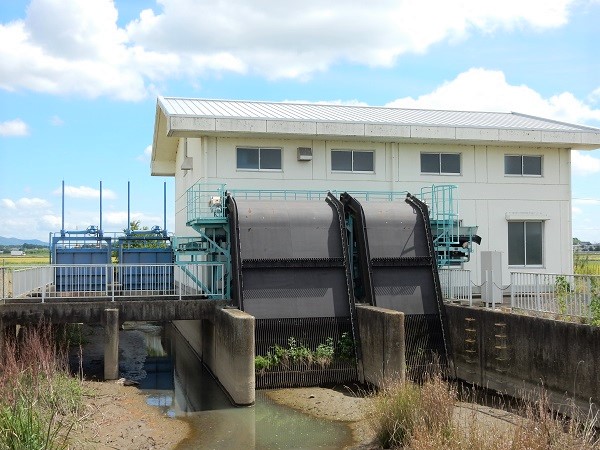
(70,281)
(456,285)
(563,295)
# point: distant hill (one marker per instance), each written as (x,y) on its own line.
(18,242)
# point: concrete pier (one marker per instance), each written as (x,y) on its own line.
(226,345)
(382,344)
(111,344)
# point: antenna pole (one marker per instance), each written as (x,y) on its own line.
(128,209)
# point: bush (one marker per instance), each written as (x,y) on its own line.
(39,400)
(406,415)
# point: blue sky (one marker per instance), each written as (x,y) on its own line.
(79,81)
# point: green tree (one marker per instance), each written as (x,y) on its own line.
(139,236)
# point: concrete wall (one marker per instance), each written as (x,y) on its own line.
(150,309)
(486,194)
(381,333)
(510,352)
(226,346)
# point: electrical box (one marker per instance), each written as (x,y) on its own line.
(304,154)
(491,276)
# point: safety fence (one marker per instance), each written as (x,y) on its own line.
(68,281)
(456,285)
(563,295)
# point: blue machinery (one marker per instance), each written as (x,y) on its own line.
(94,248)
(299,261)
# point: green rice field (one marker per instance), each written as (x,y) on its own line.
(26,260)
(587,263)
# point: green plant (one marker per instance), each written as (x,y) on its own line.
(595,302)
(39,401)
(299,354)
(261,364)
(323,354)
(395,413)
(345,347)
(562,288)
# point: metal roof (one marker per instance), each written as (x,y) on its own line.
(178,118)
(314,112)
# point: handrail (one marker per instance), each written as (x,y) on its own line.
(99,281)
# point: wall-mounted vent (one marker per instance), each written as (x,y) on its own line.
(304,154)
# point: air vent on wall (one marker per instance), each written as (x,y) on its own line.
(304,154)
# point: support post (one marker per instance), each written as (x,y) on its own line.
(111,344)
(382,337)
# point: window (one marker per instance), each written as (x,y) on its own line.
(352,161)
(440,163)
(525,243)
(258,158)
(522,165)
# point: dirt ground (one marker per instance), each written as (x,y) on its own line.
(118,417)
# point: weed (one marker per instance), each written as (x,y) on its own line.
(261,364)
(562,288)
(323,354)
(39,401)
(406,415)
(345,347)
(297,353)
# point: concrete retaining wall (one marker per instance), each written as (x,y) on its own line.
(226,346)
(511,353)
(381,333)
(150,309)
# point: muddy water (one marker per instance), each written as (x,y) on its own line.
(175,381)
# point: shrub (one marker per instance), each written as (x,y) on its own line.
(323,354)
(261,364)
(39,400)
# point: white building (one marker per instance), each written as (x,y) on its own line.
(513,171)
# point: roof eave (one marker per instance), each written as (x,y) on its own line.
(189,126)
(164,149)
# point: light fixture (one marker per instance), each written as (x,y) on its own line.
(188,162)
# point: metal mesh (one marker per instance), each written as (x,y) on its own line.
(425,350)
(309,332)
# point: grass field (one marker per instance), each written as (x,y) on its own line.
(27,260)
(586,263)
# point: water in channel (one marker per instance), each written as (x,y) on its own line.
(175,381)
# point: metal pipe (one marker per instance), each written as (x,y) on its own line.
(165,208)
(62,230)
(128,209)
(100,207)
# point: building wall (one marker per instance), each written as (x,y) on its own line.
(487,197)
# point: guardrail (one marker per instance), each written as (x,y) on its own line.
(68,281)
(456,285)
(565,295)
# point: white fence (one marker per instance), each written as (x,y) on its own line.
(456,285)
(113,280)
(565,295)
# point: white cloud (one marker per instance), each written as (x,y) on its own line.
(145,157)
(488,90)
(586,201)
(21,218)
(86,192)
(8,203)
(79,51)
(117,220)
(83,51)
(56,121)
(14,127)
(32,203)
(583,163)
